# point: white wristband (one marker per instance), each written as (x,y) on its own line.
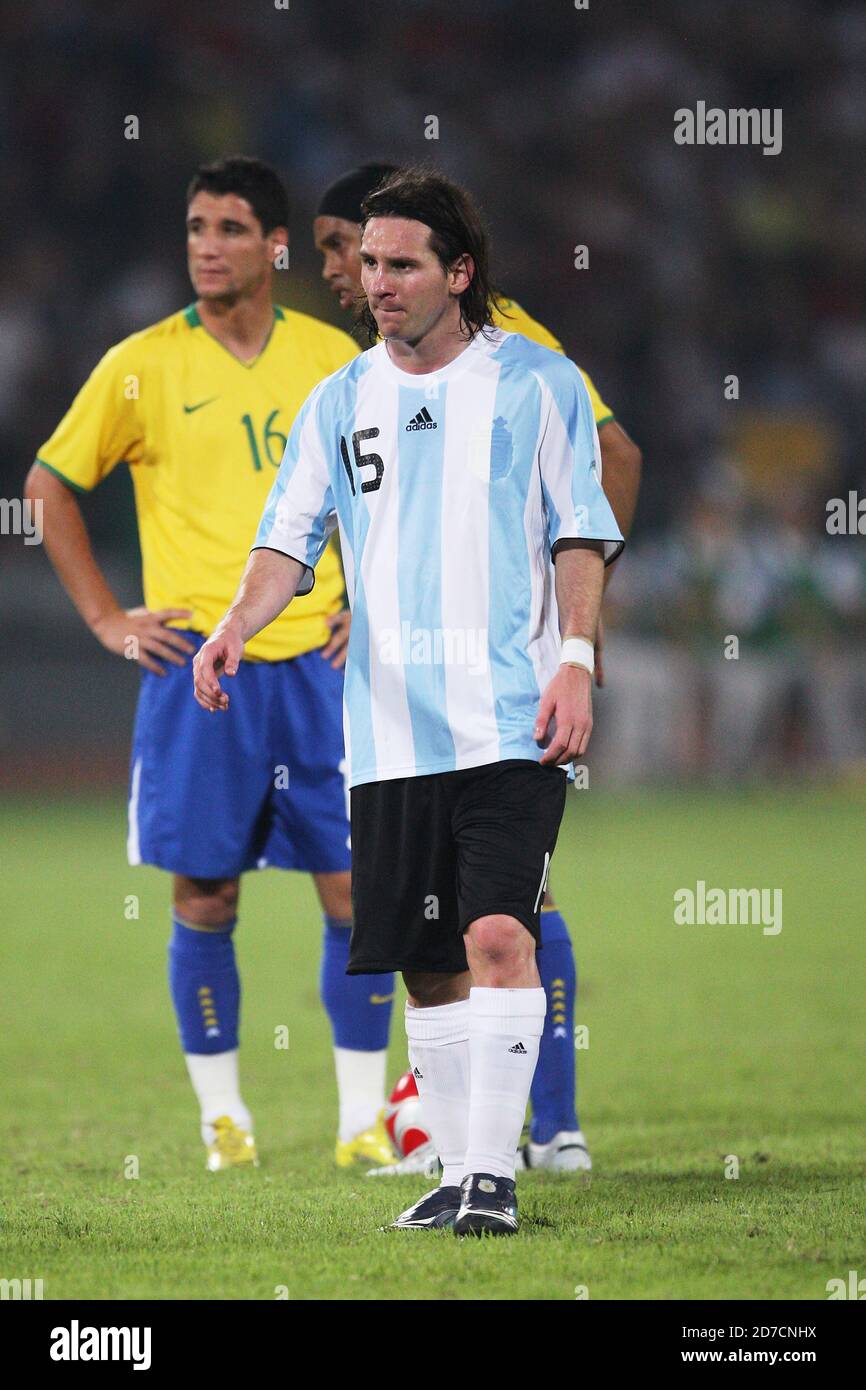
(576,651)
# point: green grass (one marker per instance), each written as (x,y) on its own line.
(703,1042)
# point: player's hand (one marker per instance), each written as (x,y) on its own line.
(220,654)
(141,635)
(338,644)
(599,649)
(564,721)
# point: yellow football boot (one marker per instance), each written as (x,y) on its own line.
(232,1147)
(370,1146)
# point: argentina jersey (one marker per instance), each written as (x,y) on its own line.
(451,491)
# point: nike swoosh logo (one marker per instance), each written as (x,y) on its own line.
(381,998)
(188,409)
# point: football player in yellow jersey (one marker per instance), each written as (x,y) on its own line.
(556,1140)
(199,407)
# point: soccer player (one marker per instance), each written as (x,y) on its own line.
(199,406)
(556,1139)
(459,462)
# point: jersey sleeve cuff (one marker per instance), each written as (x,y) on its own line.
(309,573)
(75,487)
(612,549)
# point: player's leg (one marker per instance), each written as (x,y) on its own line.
(406,918)
(506,825)
(198,789)
(553,1086)
(506,1016)
(437,1029)
(437,1032)
(359,1008)
(205,990)
(310,832)
(555,1138)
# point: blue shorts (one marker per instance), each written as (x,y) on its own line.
(263,785)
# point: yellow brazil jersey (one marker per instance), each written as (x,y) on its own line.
(516,320)
(203,434)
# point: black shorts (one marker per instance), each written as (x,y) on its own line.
(432,854)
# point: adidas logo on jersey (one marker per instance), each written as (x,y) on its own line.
(418,1073)
(519,1049)
(422,421)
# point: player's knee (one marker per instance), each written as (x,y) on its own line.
(207,902)
(499,941)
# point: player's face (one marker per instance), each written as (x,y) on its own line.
(229,256)
(407,287)
(339,243)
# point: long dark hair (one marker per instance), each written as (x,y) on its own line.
(456,230)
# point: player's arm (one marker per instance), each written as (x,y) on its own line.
(621,465)
(268,585)
(583,536)
(567,701)
(137,632)
(620,476)
(620,461)
(99,430)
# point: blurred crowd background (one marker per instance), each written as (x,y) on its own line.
(705,263)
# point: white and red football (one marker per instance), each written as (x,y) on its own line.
(403,1119)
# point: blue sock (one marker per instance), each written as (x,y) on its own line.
(205,987)
(359,1006)
(553,1093)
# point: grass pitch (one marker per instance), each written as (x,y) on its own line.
(707,1044)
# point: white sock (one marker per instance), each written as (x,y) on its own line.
(505,1027)
(439,1050)
(360,1089)
(215,1080)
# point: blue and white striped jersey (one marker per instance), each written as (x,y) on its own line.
(450,490)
